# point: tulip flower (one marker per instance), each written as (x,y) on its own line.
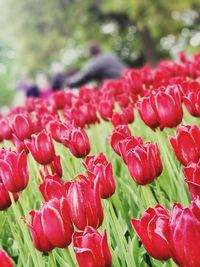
(154,232)
(52,187)
(41,147)
(134,80)
(128,143)
(58,129)
(119,133)
(5,201)
(192,178)
(22,126)
(77,141)
(59,99)
(91,248)
(56,222)
(162,108)
(105,109)
(6,131)
(186,144)
(191,97)
(40,240)
(100,171)
(5,260)
(119,118)
(144,163)
(14,170)
(51,226)
(185,234)
(84,203)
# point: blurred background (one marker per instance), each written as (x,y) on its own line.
(41,37)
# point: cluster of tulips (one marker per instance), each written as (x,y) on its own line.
(94,178)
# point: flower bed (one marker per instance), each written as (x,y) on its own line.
(107,177)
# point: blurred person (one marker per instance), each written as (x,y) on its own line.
(100,67)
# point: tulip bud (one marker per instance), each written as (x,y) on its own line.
(153,230)
(144,163)
(185,234)
(56,222)
(52,187)
(78,142)
(186,145)
(14,170)
(6,132)
(119,133)
(22,126)
(134,79)
(100,171)
(119,118)
(127,144)
(91,248)
(105,109)
(84,203)
(41,147)
(5,201)
(192,173)
(5,260)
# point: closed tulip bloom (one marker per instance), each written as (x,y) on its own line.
(119,133)
(91,248)
(5,201)
(127,144)
(185,234)
(119,118)
(154,232)
(105,109)
(22,126)
(14,170)
(147,113)
(168,106)
(41,147)
(192,178)
(58,129)
(19,145)
(6,131)
(52,187)
(5,260)
(40,240)
(100,171)
(128,111)
(144,163)
(186,144)
(134,79)
(78,142)
(84,203)
(56,222)
(59,99)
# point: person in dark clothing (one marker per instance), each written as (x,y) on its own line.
(100,67)
(32,91)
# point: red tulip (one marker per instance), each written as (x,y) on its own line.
(19,145)
(6,132)
(119,133)
(186,145)
(185,234)
(22,126)
(41,147)
(162,108)
(58,129)
(14,170)
(192,178)
(105,109)
(56,222)
(52,187)
(154,232)
(128,111)
(84,203)
(100,171)
(144,163)
(5,259)
(5,201)
(59,99)
(119,118)
(134,80)
(40,240)
(91,248)
(78,142)
(128,143)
